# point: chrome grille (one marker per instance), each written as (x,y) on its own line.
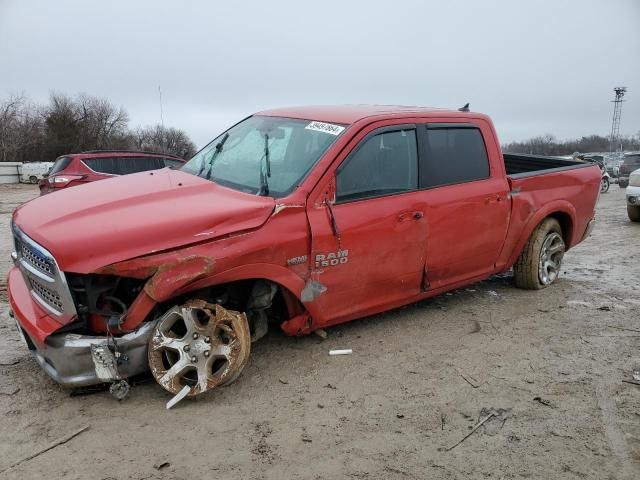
(31,256)
(50,297)
(42,275)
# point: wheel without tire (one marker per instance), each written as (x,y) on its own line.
(634,213)
(199,344)
(539,263)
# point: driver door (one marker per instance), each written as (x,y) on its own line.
(368,246)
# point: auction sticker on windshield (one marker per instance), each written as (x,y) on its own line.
(325,127)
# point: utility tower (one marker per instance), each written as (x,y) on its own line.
(617,113)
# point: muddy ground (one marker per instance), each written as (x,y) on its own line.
(556,359)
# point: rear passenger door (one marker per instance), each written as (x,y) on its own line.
(467,208)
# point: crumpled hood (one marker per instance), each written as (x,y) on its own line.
(108,221)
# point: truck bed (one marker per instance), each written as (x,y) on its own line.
(521,165)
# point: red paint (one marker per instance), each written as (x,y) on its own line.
(144,224)
(77,172)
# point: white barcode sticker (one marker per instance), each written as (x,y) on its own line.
(325,127)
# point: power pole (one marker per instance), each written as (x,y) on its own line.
(161,116)
(617,113)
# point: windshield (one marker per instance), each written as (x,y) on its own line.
(264,155)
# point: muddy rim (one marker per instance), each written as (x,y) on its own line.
(200,345)
(550,258)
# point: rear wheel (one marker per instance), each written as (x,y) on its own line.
(604,185)
(634,212)
(539,263)
(33,179)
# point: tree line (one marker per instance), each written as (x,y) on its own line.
(42,132)
(550,145)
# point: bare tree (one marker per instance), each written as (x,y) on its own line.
(30,132)
(164,140)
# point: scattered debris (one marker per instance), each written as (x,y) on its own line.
(544,310)
(443,421)
(179,396)
(399,415)
(625,329)
(605,308)
(321,332)
(543,401)
(9,390)
(477,426)
(636,375)
(320,405)
(347,351)
(579,303)
(500,416)
(51,446)
(283,381)
(493,293)
(119,389)
(161,465)
(8,363)
(473,383)
(633,382)
(328,385)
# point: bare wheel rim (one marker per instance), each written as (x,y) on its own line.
(551,255)
(200,345)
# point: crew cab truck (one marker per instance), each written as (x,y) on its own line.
(299,218)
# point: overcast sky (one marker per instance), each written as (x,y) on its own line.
(545,67)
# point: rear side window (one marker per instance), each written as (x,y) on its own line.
(452,155)
(383,164)
(59,165)
(107,165)
(124,165)
(633,160)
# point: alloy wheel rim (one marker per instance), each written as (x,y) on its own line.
(551,255)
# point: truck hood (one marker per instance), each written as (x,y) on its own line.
(90,226)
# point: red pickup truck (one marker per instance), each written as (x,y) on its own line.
(299,218)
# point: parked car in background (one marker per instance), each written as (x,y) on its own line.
(630,163)
(79,168)
(633,196)
(32,172)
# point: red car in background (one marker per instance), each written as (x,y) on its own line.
(79,168)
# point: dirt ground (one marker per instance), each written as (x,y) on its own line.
(555,359)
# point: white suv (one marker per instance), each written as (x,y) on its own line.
(633,196)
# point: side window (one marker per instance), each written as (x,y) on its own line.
(384,164)
(103,165)
(453,155)
(139,164)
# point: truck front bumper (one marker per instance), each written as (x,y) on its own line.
(633,196)
(67,357)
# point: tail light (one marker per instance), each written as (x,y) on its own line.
(64,179)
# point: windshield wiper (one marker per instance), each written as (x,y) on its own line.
(209,164)
(264,183)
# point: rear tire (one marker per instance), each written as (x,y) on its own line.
(634,213)
(33,179)
(539,263)
(604,185)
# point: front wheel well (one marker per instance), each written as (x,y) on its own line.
(259,298)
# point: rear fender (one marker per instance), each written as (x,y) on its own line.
(526,222)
